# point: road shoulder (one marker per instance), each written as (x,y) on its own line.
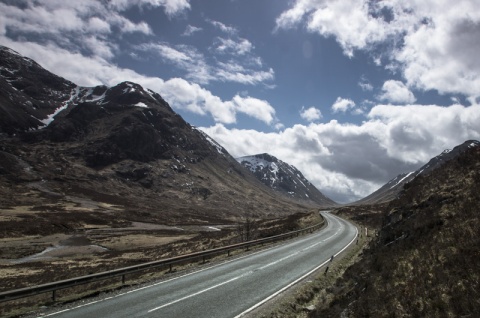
(312,291)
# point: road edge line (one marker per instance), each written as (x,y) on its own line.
(295,281)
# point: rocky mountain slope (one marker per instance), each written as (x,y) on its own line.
(76,157)
(284,178)
(392,188)
(425,261)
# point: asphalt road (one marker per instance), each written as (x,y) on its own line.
(229,289)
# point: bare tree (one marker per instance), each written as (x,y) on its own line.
(248,228)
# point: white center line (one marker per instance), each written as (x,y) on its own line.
(235,278)
(201,292)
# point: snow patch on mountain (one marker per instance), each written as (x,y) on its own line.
(400,181)
(140,104)
(212,142)
(282,177)
(73,97)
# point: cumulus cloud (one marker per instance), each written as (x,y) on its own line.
(256,108)
(434,44)
(396,92)
(310,114)
(97,29)
(88,26)
(349,22)
(348,161)
(57,17)
(343,105)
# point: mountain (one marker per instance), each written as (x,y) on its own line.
(284,178)
(75,157)
(29,94)
(392,188)
(424,260)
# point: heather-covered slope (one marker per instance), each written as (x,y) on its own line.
(426,259)
(392,188)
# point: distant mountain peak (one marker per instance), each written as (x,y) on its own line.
(284,178)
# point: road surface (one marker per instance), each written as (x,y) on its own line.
(229,289)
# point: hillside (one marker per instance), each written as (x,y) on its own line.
(392,188)
(65,147)
(284,178)
(425,261)
(112,174)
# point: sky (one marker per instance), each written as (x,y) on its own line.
(351,92)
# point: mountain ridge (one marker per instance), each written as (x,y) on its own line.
(121,149)
(392,188)
(284,178)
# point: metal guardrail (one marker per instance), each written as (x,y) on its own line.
(76,281)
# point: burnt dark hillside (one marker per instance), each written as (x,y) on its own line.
(425,261)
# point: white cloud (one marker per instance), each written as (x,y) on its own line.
(172,7)
(223,27)
(347,161)
(310,114)
(396,92)
(349,22)
(343,105)
(185,57)
(433,43)
(239,47)
(190,30)
(58,17)
(232,72)
(256,108)
(200,71)
(365,85)
(96,24)
(99,47)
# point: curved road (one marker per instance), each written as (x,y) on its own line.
(229,289)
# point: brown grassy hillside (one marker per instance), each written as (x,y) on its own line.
(425,261)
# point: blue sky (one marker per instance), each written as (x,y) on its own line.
(351,92)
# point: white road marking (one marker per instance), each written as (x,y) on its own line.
(152,285)
(201,291)
(220,284)
(246,274)
(294,282)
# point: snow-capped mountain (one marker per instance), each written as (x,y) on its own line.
(284,178)
(392,188)
(121,145)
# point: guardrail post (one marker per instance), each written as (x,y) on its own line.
(228,253)
(54,295)
(123,279)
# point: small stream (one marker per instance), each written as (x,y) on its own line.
(55,252)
